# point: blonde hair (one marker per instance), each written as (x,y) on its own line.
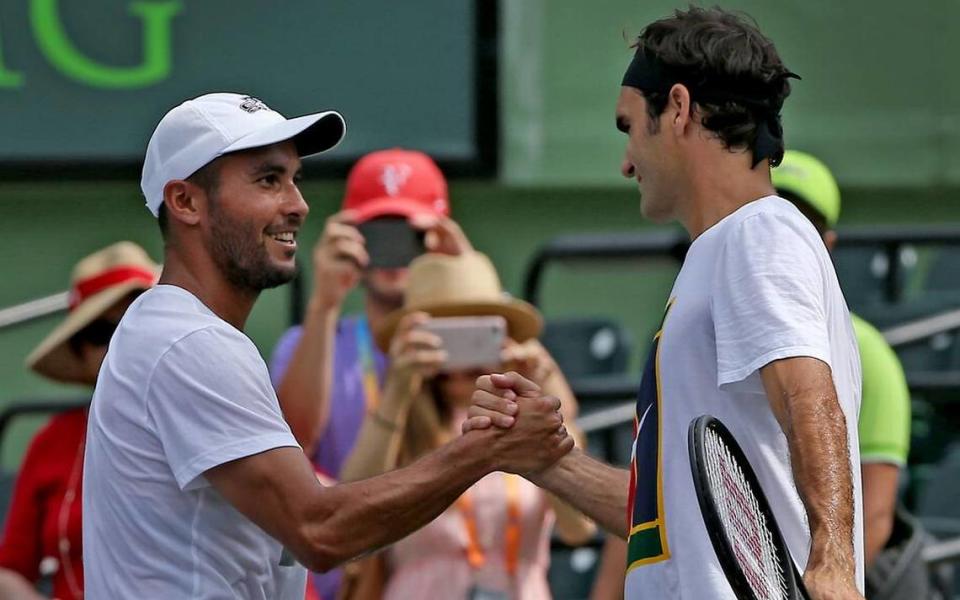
(425,429)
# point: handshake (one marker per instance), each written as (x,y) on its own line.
(524,428)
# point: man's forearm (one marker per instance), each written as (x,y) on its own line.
(370,514)
(820,454)
(592,487)
(304,390)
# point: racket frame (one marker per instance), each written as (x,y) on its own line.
(711,516)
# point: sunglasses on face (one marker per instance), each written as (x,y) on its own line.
(97,333)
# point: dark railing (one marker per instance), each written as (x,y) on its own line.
(673,244)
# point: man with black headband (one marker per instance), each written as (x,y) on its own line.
(755,332)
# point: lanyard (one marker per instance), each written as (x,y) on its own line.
(371,384)
(474,551)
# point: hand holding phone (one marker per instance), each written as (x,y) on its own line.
(338,259)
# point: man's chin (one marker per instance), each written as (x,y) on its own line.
(276,276)
(654,213)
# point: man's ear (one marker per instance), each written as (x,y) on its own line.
(183,200)
(680,107)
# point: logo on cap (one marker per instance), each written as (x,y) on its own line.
(394,177)
(252,105)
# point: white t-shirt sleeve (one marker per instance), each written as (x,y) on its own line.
(210,401)
(768,297)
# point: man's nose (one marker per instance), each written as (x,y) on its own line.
(295,203)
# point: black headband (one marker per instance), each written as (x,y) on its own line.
(650,74)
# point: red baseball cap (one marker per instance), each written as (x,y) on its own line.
(396,182)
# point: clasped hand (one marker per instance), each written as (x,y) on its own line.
(527,427)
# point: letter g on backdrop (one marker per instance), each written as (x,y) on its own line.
(52,39)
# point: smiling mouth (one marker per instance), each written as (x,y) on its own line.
(288,238)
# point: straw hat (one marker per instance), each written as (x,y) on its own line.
(463,285)
(97,283)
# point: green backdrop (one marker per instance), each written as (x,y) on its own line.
(878,101)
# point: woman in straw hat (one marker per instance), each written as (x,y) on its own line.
(42,536)
(494,541)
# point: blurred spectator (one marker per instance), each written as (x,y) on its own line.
(496,537)
(328,372)
(42,535)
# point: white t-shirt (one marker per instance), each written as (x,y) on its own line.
(180,391)
(756,287)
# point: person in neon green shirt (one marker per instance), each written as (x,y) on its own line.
(885,403)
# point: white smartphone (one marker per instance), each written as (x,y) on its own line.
(469,342)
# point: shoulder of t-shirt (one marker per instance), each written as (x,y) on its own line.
(774,210)
(214,337)
(777,218)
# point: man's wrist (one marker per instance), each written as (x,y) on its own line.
(475,447)
(547,478)
(833,556)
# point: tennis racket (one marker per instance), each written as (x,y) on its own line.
(741,525)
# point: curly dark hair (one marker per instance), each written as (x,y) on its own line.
(712,44)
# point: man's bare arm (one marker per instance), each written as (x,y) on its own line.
(326,526)
(803,399)
(596,489)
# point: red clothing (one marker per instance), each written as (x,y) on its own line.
(52,467)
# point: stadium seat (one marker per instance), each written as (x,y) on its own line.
(594,354)
(862,272)
(588,346)
(944,272)
(572,570)
(937,353)
(937,505)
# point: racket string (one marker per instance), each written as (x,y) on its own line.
(751,538)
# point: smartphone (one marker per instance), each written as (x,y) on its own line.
(469,342)
(391,242)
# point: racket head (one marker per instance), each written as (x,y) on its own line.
(748,544)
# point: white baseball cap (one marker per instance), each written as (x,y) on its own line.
(200,130)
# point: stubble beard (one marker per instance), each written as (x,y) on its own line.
(244,263)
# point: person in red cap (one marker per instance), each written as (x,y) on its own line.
(328,372)
(42,536)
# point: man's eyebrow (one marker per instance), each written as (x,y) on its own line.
(269,168)
(622,124)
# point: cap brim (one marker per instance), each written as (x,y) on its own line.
(312,134)
(53,358)
(389,205)
(523,320)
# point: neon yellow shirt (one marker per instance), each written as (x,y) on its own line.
(885,402)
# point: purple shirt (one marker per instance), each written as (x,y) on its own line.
(347,408)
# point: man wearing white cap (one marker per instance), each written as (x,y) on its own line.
(194,486)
